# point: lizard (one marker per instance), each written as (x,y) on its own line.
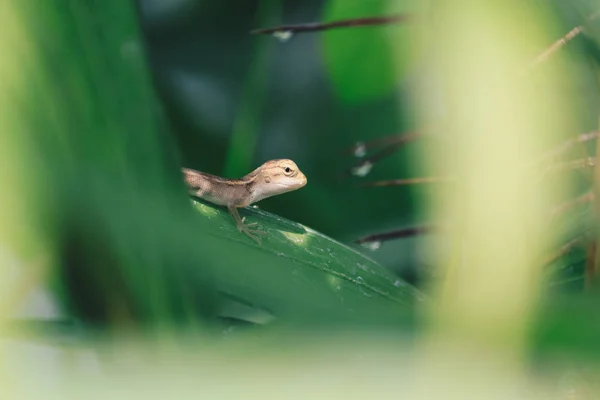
(270,179)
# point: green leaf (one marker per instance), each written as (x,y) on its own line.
(297,272)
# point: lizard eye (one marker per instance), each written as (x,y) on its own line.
(287,170)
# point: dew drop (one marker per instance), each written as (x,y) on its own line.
(360,150)
(363,169)
(283,36)
(372,245)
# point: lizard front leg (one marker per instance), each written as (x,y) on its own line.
(243,227)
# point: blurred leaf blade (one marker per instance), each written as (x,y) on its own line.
(366,63)
(359,60)
(103,167)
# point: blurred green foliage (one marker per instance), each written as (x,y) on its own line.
(116,101)
(373,74)
(129,252)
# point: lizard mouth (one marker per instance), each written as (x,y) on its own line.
(301,181)
(295,184)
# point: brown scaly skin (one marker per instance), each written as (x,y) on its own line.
(272,178)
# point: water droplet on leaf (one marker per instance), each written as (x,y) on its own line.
(360,149)
(283,36)
(363,169)
(372,245)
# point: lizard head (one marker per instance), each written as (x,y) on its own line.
(275,177)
